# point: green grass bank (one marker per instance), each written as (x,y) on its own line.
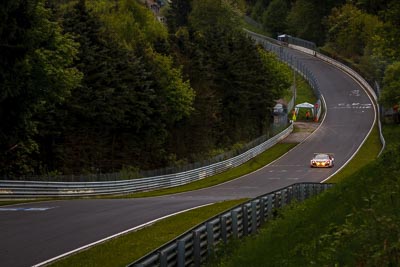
(125,249)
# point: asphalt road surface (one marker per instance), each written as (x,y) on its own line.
(33,233)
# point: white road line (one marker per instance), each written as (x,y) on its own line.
(113,236)
(27,209)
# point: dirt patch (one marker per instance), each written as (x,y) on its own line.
(301,131)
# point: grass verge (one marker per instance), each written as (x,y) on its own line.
(252,165)
(130,247)
(304,91)
(367,153)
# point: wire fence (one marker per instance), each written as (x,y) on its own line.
(288,39)
(134,173)
(41,189)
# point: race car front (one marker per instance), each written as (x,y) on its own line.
(322,160)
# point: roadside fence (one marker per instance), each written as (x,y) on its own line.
(10,189)
(196,245)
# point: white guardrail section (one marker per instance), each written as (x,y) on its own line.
(36,189)
(196,245)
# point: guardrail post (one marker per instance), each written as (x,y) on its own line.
(277,200)
(297,192)
(312,188)
(235,232)
(269,211)
(196,248)
(319,188)
(302,192)
(262,210)
(328,186)
(210,238)
(245,219)
(283,198)
(323,188)
(253,217)
(163,259)
(181,253)
(224,235)
(290,193)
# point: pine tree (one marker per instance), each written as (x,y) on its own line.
(178,14)
(35,73)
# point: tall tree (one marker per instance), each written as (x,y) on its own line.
(231,64)
(258,9)
(120,114)
(35,74)
(115,99)
(351,30)
(274,18)
(306,17)
(372,6)
(391,86)
(178,13)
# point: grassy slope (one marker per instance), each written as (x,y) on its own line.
(124,250)
(366,154)
(304,92)
(357,223)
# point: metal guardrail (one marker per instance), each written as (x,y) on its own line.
(37,189)
(138,173)
(291,40)
(196,245)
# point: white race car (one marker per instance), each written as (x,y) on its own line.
(322,160)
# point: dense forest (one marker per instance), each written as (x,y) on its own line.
(100,86)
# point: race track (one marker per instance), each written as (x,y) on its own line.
(30,236)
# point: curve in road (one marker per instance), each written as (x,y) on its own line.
(30,236)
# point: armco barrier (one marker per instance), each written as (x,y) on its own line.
(193,247)
(36,189)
